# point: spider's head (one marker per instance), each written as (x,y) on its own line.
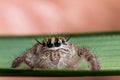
(54,41)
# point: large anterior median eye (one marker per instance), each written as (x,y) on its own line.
(57,43)
(49,44)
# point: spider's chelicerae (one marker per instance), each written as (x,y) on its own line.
(56,53)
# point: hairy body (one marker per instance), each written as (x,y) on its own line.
(48,56)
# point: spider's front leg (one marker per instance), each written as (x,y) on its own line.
(91,59)
(25,59)
(17,61)
(29,58)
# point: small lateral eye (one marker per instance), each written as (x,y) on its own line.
(43,44)
(63,41)
(49,44)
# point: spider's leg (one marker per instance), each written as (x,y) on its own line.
(90,58)
(28,60)
(17,61)
(20,59)
(29,57)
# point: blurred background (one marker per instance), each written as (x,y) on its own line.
(33,17)
(26,17)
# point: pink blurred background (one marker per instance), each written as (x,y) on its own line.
(30,17)
(25,17)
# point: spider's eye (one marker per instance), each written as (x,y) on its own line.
(57,43)
(49,44)
(43,43)
(63,41)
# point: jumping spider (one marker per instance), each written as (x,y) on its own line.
(56,53)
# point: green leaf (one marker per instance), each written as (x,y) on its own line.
(105,45)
